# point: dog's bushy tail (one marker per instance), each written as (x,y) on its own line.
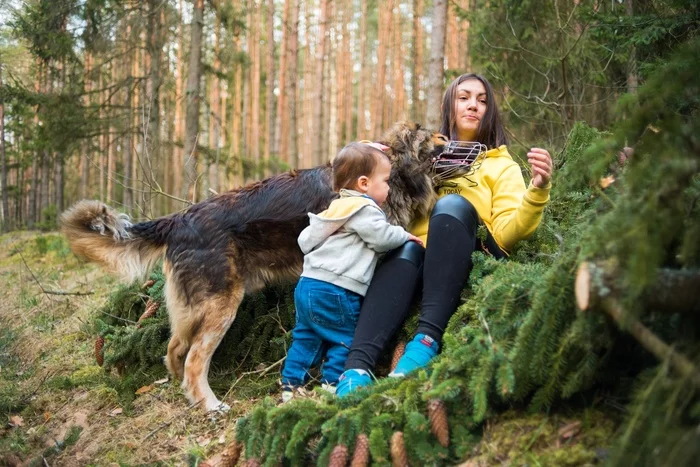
(101,234)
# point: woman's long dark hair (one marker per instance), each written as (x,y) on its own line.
(491,131)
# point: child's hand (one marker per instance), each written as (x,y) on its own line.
(413,238)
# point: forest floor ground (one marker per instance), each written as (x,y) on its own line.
(60,408)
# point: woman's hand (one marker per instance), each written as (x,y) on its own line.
(541,163)
(413,238)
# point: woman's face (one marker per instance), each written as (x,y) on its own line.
(470,107)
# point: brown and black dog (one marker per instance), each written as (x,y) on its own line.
(218,250)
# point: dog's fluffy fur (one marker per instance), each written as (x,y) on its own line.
(234,243)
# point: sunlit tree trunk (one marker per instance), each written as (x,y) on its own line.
(269,83)
(194,74)
(256,19)
(85,149)
(322,49)
(3,162)
(215,111)
(362,132)
(177,151)
(417,112)
(379,83)
(436,67)
(127,130)
(292,83)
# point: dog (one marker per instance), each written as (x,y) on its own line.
(235,243)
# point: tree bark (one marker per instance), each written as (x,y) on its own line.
(270,84)
(84,153)
(292,84)
(3,162)
(673,290)
(417,112)
(379,86)
(364,70)
(128,197)
(194,74)
(255,88)
(436,64)
(281,144)
(318,124)
(177,154)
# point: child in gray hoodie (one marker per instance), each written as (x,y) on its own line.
(341,247)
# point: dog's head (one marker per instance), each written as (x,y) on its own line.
(412,149)
(413,145)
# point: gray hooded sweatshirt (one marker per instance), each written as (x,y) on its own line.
(342,244)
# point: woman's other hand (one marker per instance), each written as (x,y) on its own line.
(413,238)
(541,163)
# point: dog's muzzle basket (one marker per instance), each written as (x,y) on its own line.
(458,158)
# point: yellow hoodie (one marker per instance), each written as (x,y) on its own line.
(497,191)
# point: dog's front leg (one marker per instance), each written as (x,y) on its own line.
(216,314)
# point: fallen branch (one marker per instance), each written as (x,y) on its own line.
(64,292)
(592,290)
(673,290)
(651,342)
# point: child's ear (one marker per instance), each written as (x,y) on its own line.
(363,183)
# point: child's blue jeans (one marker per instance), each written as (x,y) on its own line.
(326,317)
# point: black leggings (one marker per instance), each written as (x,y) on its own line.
(444,268)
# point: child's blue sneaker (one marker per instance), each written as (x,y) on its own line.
(418,354)
(352,380)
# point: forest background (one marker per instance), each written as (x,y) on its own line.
(151,105)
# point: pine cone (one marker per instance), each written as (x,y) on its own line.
(339,456)
(398,353)
(99,354)
(360,457)
(399,458)
(229,458)
(148,284)
(437,413)
(252,462)
(151,309)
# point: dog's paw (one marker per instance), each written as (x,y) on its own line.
(218,408)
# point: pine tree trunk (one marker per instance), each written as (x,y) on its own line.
(364,69)
(318,124)
(379,84)
(85,149)
(436,67)
(128,198)
(154,46)
(348,135)
(255,88)
(194,74)
(215,111)
(417,113)
(292,84)
(5,215)
(177,154)
(399,70)
(281,143)
(270,84)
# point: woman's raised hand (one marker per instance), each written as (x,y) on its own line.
(541,163)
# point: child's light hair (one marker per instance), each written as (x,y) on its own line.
(352,162)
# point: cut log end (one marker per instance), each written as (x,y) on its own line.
(582,286)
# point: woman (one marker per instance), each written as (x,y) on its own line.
(491,193)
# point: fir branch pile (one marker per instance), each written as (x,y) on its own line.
(519,340)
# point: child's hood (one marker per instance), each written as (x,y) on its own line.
(326,223)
